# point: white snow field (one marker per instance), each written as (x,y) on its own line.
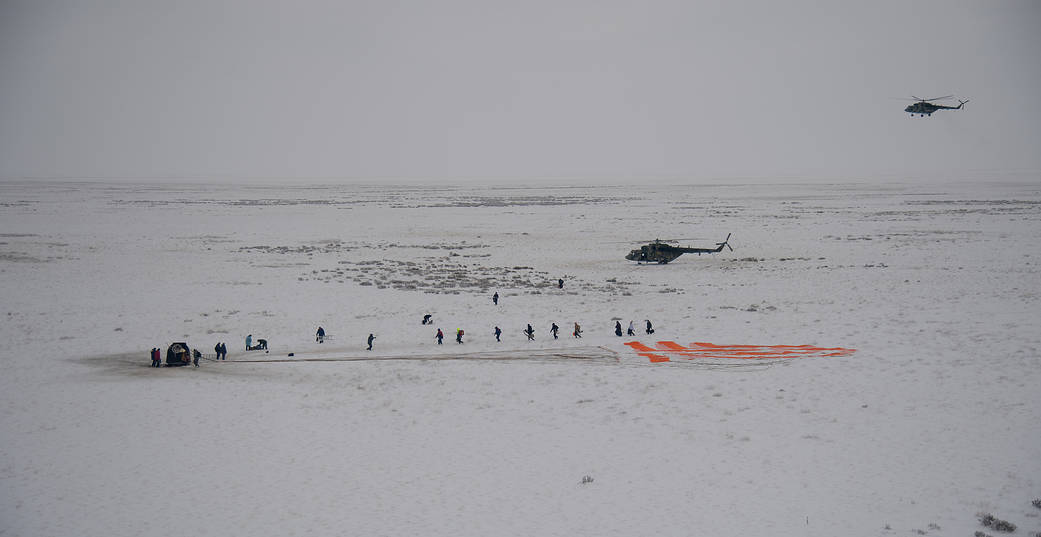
(935,419)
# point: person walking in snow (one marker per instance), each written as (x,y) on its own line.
(650,329)
(495,298)
(319,336)
(631,331)
(195,357)
(560,283)
(223,351)
(578,331)
(440,336)
(371,337)
(249,342)
(216,349)
(530,332)
(618,328)
(497,333)
(155,357)
(458,335)
(553,328)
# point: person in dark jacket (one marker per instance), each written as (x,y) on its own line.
(440,336)
(426,319)
(319,336)
(497,333)
(618,328)
(554,328)
(458,335)
(560,283)
(262,344)
(371,337)
(216,349)
(195,357)
(530,332)
(495,298)
(650,329)
(223,351)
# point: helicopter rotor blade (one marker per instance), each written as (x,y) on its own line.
(636,241)
(683,239)
(658,240)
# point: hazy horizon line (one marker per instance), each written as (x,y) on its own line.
(1005,175)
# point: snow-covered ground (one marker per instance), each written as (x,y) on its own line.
(936,417)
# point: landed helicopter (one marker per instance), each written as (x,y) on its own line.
(662,252)
(925,107)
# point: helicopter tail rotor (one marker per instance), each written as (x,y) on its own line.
(726,242)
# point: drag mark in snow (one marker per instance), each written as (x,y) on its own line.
(668,350)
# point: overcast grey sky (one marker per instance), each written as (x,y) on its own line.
(452,89)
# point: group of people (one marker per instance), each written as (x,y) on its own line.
(221,349)
(553,329)
(260,346)
(632,330)
(440,336)
(529,331)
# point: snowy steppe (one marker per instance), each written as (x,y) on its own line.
(934,419)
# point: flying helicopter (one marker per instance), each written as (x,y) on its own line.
(662,252)
(925,107)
